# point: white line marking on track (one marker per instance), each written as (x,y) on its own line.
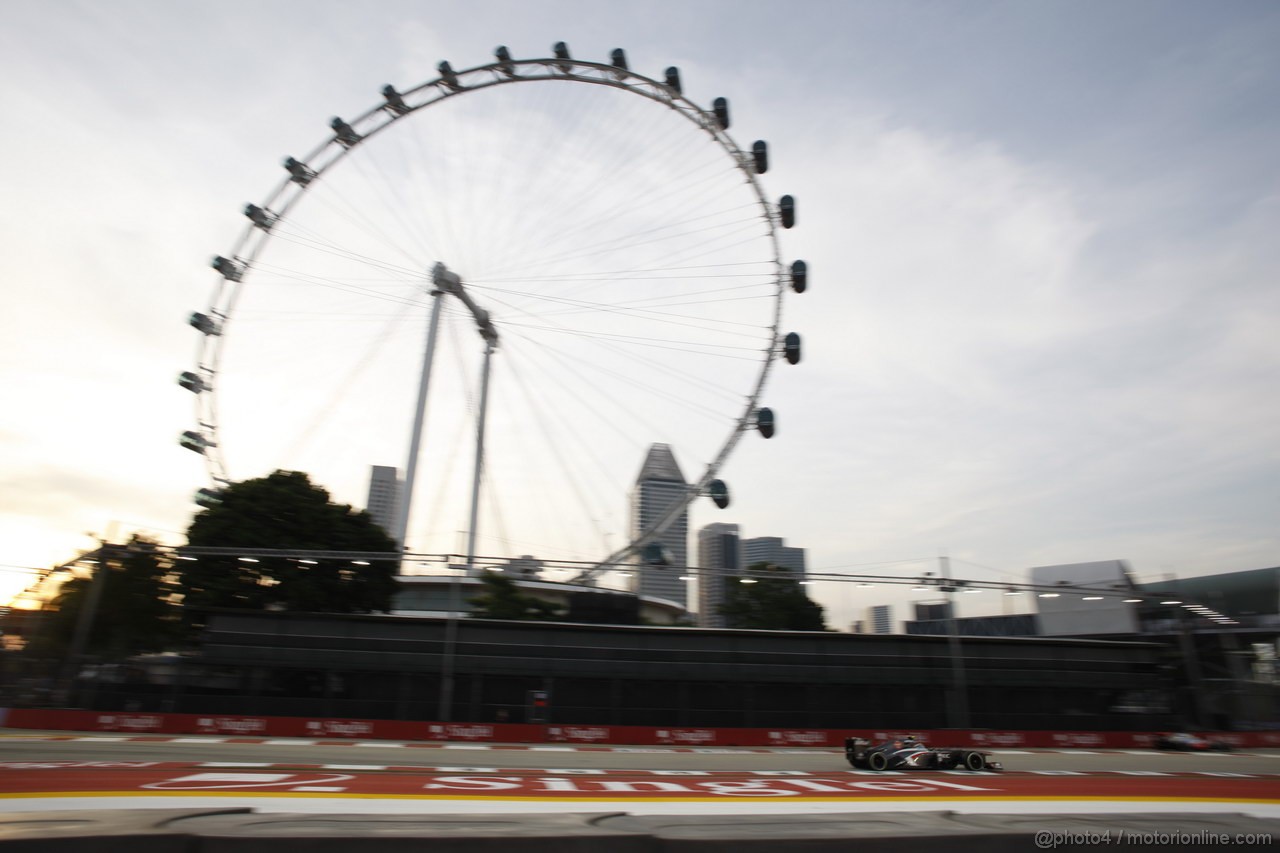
(382,744)
(465,746)
(289,741)
(233,764)
(354,766)
(198,740)
(318,789)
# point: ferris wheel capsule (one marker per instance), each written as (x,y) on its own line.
(657,554)
(299,172)
(192,382)
(194,441)
(204,324)
(344,133)
(504,60)
(719,493)
(673,80)
(208,498)
(765,422)
(791,348)
(799,276)
(447,75)
(395,101)
(720,108)
(561,51)
(787,211)
(760,156)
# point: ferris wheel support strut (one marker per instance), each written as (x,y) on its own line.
(419,416)
(489,346)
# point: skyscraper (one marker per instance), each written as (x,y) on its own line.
(384,497)
(880,618)
(659,485)
(719,556)
(770,549)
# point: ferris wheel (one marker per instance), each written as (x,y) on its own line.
(592,232)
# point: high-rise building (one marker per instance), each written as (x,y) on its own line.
(719,557)
(770,549)
(659,485)
(384,497)
(880,618)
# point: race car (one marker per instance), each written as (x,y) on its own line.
(1186,742)
(910,754)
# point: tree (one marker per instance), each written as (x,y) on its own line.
(134,611)
(285,511)
(502,599)
(775,602)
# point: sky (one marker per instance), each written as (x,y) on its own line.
(1043,302)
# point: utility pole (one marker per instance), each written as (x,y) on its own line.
(85,620)
(958,706)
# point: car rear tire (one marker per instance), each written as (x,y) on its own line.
(877,761)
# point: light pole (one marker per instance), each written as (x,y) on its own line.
(84,621)
(958,707)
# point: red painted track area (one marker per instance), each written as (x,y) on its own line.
(101,778)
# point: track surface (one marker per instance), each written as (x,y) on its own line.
(44,771)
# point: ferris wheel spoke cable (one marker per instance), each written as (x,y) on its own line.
(570,365)
(589,223)
(569,308)
(554,231)
(654,241)
(662,319)
(576,138)
(293,277)
(633,240)
(355,214)
(556,380)
(396,201)
(681,376)
(541,417)
(324,246)
(340,391)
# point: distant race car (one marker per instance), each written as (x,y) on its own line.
(910,754)
(1187,742)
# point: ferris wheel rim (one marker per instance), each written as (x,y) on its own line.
(347,137)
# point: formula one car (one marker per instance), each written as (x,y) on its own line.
(1186,742)
(910,754)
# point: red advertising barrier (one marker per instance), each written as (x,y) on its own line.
(306,727)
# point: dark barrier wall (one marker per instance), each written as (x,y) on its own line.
(368,667)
